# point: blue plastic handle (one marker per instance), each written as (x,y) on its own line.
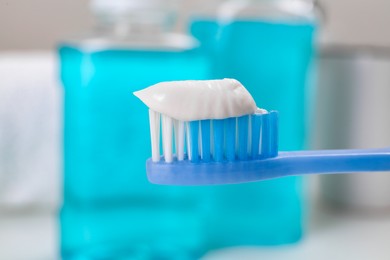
(285,164)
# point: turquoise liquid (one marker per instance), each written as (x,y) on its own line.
(273,61)
(110,211)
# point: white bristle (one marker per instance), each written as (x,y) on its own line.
(260,141)
(259,146)
(179,139)
(167,138)
(188,140)
(154,121)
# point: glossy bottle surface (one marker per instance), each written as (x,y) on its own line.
(110,210)
(272,58)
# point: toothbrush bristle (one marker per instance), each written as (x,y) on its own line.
(205,140)
(240,138)
(230,139)
(243,137)
(179,139)
(218,132)
(194,140)
(154,121)
(167,131)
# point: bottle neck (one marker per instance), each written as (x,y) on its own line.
(288,10)
(140,29)
(135,24)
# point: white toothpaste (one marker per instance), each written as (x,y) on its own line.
(192,100)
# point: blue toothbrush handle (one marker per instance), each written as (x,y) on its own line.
(332,161)
(286,164)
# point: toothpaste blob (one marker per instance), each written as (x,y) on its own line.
(192,100)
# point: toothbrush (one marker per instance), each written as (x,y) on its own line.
(241,149)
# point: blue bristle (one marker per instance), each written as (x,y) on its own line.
(273,134)
(194,139)
(243,137)
(205,129)
(218,140)
(256,125)
(221,138)
(265,136)
(230,124)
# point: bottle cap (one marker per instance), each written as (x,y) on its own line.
(118,7)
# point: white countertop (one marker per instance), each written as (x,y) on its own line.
(330,235)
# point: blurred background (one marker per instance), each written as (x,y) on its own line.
(72,137)
(347,22)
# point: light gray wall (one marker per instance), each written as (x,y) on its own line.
(39,24)
(357,22)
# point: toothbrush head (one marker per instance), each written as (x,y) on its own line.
(209,152)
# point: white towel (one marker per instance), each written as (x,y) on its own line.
(30,119)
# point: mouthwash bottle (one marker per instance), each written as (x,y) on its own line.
(268,46)
(109,210)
